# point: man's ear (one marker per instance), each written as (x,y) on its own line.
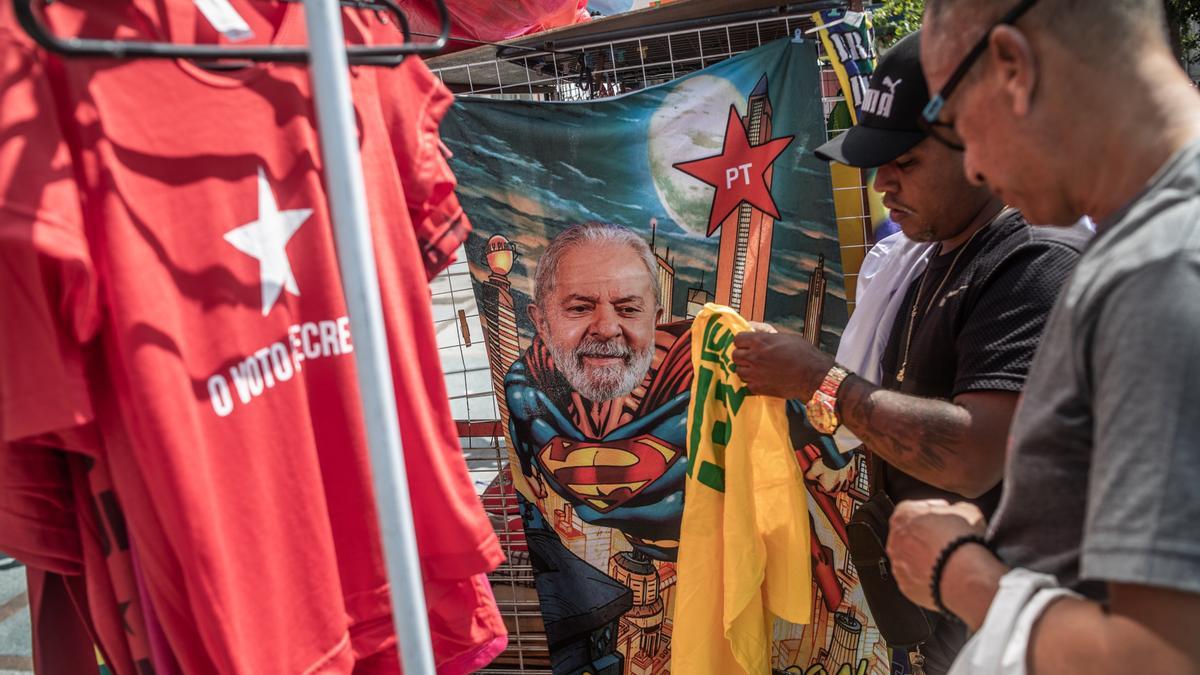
(535,315)
(1014,62)
(658,315)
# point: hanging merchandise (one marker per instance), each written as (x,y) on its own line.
(849,41)
(492,21)
(168,257)
(56,529)
(118,611)
(51,603)
(611,7)
(602,228)
(744,518)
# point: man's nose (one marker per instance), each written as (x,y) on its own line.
(605,323)
(885,178)
(970,168)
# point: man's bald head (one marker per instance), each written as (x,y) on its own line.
(1096,29)
(1117,15)
(1043,99)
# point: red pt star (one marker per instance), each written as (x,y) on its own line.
(738,173)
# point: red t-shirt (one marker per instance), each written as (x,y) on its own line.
(413,102)
(168,255)
(492,20)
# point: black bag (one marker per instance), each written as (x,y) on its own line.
(902,623)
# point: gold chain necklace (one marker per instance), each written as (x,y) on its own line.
(912,316)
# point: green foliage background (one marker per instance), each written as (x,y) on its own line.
(1182,16)
(898,18)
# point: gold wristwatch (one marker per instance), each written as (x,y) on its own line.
(822,407)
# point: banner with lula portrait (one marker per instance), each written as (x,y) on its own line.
(601,229)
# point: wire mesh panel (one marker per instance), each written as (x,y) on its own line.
(592,71)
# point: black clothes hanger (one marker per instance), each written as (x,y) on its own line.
(390,55)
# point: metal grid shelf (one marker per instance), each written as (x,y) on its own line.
(615,67)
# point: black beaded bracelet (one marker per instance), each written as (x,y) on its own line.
(940,566)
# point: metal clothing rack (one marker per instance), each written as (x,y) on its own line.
(330,57)
(125,49)
(360,283)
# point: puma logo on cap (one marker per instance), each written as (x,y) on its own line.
(878,102)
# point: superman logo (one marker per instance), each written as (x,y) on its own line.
(606,474)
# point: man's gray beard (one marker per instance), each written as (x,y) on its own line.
(602,383)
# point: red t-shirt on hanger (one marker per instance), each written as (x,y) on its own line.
(169,258)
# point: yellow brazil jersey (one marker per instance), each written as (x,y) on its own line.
(744,545)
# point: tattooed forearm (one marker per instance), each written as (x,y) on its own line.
(925,438)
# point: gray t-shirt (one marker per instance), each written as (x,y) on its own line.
(1103,475)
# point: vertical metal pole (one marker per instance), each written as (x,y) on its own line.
(356,255)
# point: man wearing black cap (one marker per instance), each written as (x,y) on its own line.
(963,338)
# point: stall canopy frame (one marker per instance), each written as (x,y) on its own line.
(615,64)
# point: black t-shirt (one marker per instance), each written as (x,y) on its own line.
(981,330)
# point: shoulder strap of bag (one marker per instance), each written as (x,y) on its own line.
(875,469)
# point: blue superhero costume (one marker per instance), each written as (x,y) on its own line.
(620,464)
(625,468)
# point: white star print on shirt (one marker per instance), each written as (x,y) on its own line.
(266,240)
